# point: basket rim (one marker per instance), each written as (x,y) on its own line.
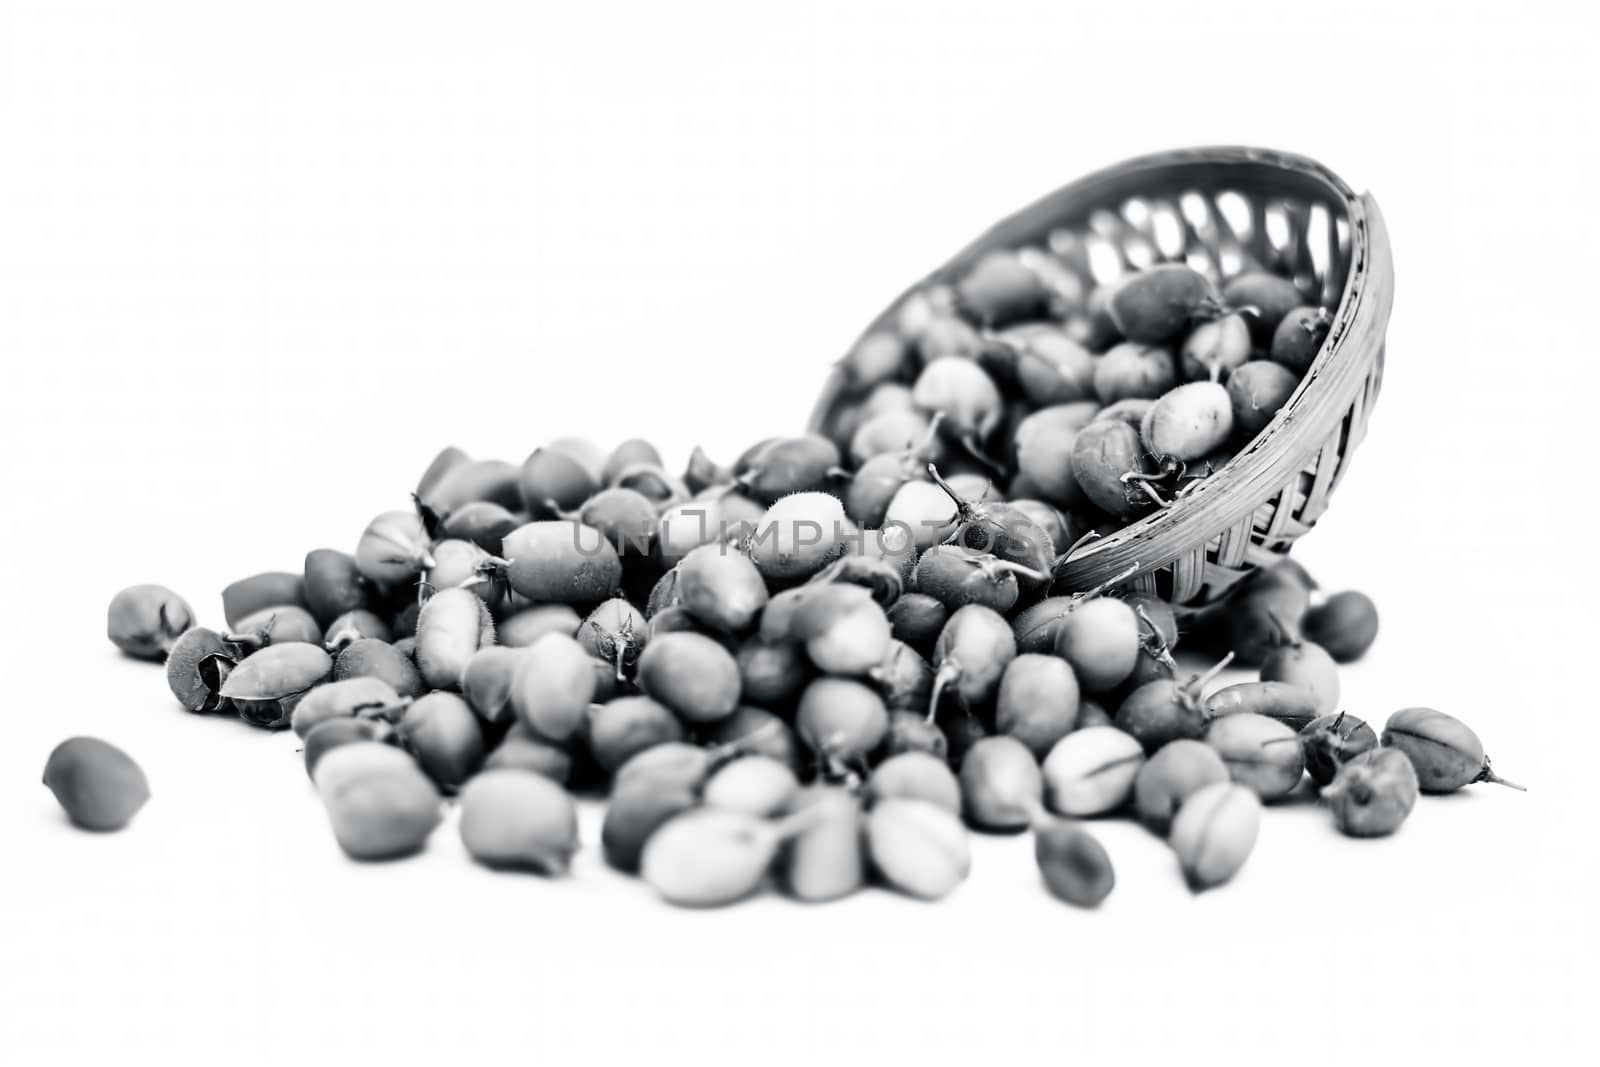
(1299,429)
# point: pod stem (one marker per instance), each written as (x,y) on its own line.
(554,507)
(1283,637)
(798,822)
(493,568)
(1061,560)
(1487,775)
(432,521)
(385,711)
(1200,681)
(964,507)
(1038,816)
(1115,580)
(948,672)
(969,445)
(924,449)
(740,746)
(1143,482)
(1011,567)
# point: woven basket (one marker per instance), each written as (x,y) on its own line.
(1221,210)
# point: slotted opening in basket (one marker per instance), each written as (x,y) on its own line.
(1223,212)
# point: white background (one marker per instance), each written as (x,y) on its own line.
(258,262)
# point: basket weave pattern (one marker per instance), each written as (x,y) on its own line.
(1221,211)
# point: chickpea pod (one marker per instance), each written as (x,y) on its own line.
(919,776)
(875,358)
(521,750)
(486,682)
(1373,793)
(957,576)
(352,626)
(1000,530)
(528,625)
(1213,833)
(1073,863)
(1001,785)
(1299,337)
(266,686)
(910,731)
(789,465)
(753,731)
(334,733)
(904,679)
(1043,445)
(97,784)
(1091,771)
(798,536)
(393,550)
(958,389)
(1214,350)
(1257,391)
(448,458)
(553,686)
(841,719)
(917,618)
(1293,705)
(1346,625)
(1445,752)
(444,735)
(1163,711)
(453,626)
(1109,464)
(1100,639)
(947,336)
(380,809)
(1133,371)
(753,785)
(1261,753)
(1160,302)
(615,633)
(332,584)
(145,621)
(553,479)
(721,587)
(481,522)
(923,510)
(771,673)
(621,728)
(1170,776)
(708,857)
(267,590)
(1047,366)
(372,658)
(558,561)
(1038,701)
(1308,666)
(824,860)
(516,819)
(854,643)
(917,847)
(372,697)
(1263,299)
(970,656)
(691,674)
(197,665)
(1331,741)
(1000,288)
(1189,421)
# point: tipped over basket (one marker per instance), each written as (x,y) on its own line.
(1221,211)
